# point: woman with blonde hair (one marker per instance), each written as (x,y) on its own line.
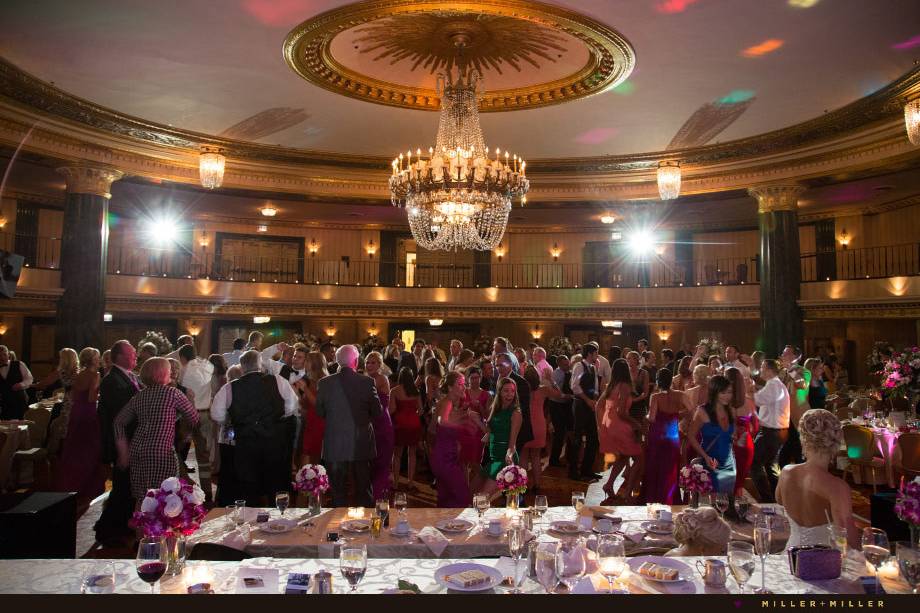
(451,417)
(700,532)
(314,426)
(504,423)
(829,497)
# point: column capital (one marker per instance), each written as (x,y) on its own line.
(776,197)
(86,179)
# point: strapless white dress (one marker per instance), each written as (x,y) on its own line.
(802,536)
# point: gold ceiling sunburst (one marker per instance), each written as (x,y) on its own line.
(520,34)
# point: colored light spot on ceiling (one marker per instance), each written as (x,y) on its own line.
(625,88)
(669,7)
(768,46)
(803,4)
(596,136)
(277,12)
(736,95)
(910,43)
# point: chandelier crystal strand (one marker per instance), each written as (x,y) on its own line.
(211,165)
(912,121)
(668,180)
(460,196)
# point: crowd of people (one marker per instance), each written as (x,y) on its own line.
(255,414)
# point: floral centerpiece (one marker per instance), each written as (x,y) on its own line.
(881,353)
(310,340)
(695,480)
(560,345)
(907,507)
(482,346)
(173,511)
(313,481)
(713,346)
(900,374)
(512,480)
(158,339)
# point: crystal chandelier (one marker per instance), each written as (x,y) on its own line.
(912,121)
(460,196)
(668,180)
(211,167)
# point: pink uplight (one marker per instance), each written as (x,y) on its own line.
(596,136)
(278,12)
(669,7)
(910,43)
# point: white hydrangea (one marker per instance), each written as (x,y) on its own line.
(171,484)
(173,506)
(149,504)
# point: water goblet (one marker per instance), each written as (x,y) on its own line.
(282,500)
(876,549)
(98,578)
(353,565)
(741,562)
(611,557)
(546,566)
(719,502)
(570,562)
(400,502)
(908,556)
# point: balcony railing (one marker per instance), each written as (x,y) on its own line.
(865,263)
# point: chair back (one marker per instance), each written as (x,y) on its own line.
(909,442)
(215,552)
(38,430)
(860,443)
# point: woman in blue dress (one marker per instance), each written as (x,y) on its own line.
(711,434)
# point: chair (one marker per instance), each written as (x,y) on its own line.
(214,552)
(909,444)
(35,455)
(38,429)
(861,449)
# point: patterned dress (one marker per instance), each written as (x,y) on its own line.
(153,455)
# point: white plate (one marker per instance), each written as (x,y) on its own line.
(356,525)
(495,577)
(658,527)
(684,572)
(277,526)
(567,528)
(455,526)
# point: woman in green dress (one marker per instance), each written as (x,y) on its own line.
(504,423)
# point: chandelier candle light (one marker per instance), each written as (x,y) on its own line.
(211,165)
(459,196)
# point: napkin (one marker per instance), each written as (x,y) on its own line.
(635,537)
(237,539)
(432,537)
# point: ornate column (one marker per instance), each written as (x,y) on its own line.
(780,272)
(84,249)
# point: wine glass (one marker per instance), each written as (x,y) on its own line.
(741,562)
(383,510)
(909,562)
(876,549)
(762,538)
(546,566)
(240,517)
(719,502)
(611,557)
(481,501)
(353,564)
(151,560)
(517,537)
(400,502)
(570,562)
(98,578)
(540,505)
(578,502)
(282,500)
(839,540)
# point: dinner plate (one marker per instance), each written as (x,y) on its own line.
(453,525)
(277,526)
(566,528)
(684,572)
(356,525)
(658,527)
(440,576)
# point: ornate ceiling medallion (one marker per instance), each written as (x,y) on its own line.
(389,51)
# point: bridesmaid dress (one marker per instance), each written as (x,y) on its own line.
(746,427)
(662,464)
(453,492)
(80,468)
(384,437)
(718,445)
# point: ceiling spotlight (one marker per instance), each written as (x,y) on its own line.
(268,211)
(435,322)
(607,218)
(161,230)
(261,319)
(640,241)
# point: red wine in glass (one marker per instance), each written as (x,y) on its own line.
(151,571)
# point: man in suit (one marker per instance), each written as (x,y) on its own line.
(506,369)
(15,379)
(348,402)
(115,390)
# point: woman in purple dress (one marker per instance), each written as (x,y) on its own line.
(663,460)
(381,466)
(452,417)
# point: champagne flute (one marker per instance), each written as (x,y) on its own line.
(517,537)
(151,560)
(282,500)
(482,504)
(353,564)
(839,540)
(762,538)
(909,563)
(540,505)
(741,562)
(570,562)
(240,512)
(400,502)
(720,503)
(546,566)
(578,502)
(611,557)
(876,549)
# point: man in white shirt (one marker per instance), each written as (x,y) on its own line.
(455,348)
(15,379)
(773,404)
(734,359)
(233,357)
(585,388)
(259,408)
(195,375)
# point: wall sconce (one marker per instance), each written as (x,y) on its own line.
(203,242)
(2,222)
(268,210)
(844,239)
(912,121)
(313,247)
(435,322)
(194,330)
(330,330)
(371,249)
(615,236)
(607,218)
(261,319)
(536,333)
(555,252)
(3,329)
(373,330)
(659,250)
(500,251)
(106,317)
(664,335)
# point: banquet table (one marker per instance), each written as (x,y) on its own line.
(886,440)
(309,540)
(17,437)
(65,577)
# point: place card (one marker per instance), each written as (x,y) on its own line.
(252,580)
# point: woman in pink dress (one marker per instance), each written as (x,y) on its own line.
(477,402)
(618,432)
(540,390)
(665,410)
(405,410)
(746,426)
(451,418)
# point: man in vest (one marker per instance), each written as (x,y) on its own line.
(585,389)
(255,406)
(15,379)
(560,411)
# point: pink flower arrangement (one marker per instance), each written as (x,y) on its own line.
(312,479)
(901,371)
(512,479)
(695,478)
(172,509)
(907,505)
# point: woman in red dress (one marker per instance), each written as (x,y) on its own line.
(405,409)
(746,427)
(314,426)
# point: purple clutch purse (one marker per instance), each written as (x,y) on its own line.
(817,563)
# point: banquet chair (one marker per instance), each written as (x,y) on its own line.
(215,552)
(909,444)
(36,455)
(38,429)
(861,448)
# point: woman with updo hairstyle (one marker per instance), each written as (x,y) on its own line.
(700,532)
(827,496)
(451,417)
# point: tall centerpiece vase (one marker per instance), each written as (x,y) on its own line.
(511,500)
(915,535)
(177,550)
(315,504)
(693,499)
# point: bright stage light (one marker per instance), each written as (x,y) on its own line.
(161,230)
(640,241)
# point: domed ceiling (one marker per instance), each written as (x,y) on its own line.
(660,73)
